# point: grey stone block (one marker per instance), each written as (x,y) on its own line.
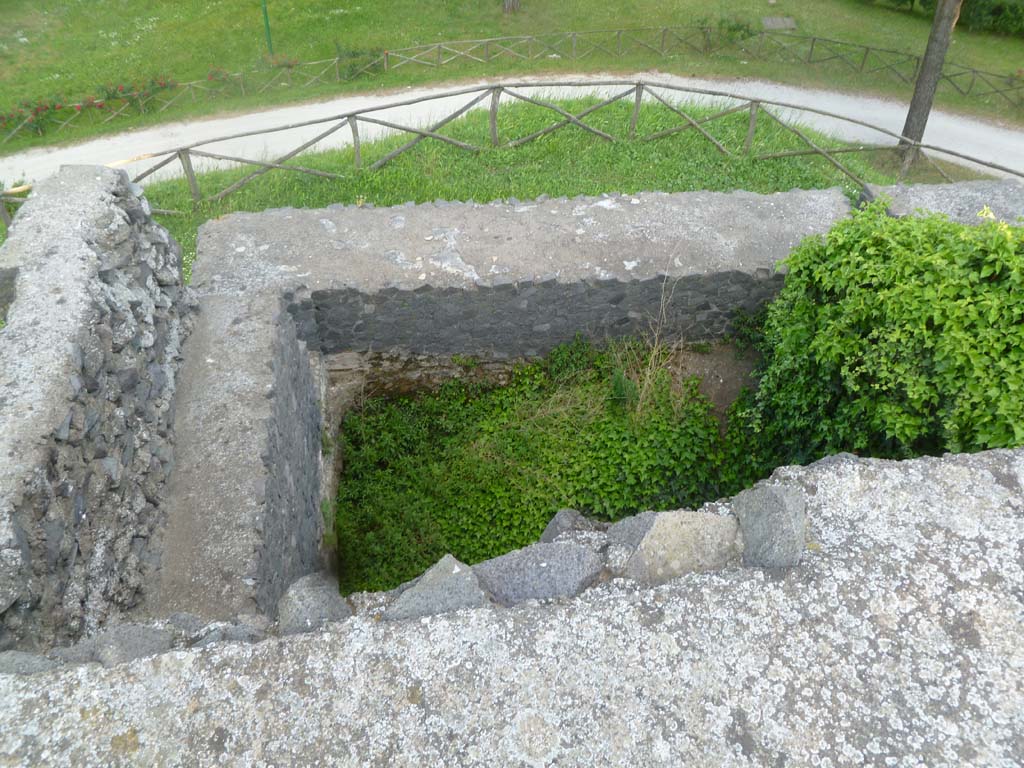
(449,585)
(773,519)
(682,542)
(540,572)
(21,663)
(563,521)
(310,603)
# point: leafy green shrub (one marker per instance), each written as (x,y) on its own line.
(893,338)
(1003,16)
(479,472)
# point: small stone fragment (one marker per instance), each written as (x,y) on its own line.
(565,520)
(773,519)
(540,572)
(310,603)
(449,585)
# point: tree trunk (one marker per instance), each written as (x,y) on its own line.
(510,6)
(946,14)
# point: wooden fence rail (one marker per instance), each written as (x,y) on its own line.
(769,45)
(672,98)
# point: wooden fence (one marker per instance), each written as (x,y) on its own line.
(663,42)
(668,97)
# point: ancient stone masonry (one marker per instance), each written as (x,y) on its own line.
(850,612)
(88,361)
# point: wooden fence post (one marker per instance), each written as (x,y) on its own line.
(357,156)
(495,101)
(754,107)
(638,98)
(190,174)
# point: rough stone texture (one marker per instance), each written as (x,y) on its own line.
(624,537)
(117,644)
(540,572)
(896,642)
(244,516)
(252,631)
(773,519)
(21,663)
(564,521)
(681,542)
(310,603)
(961,201)
(88,360)
(448,585)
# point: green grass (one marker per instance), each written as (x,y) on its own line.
(74,46)
(433,171)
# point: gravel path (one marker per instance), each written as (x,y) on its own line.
(970,136)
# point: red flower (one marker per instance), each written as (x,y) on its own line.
(78,107)
(120,89)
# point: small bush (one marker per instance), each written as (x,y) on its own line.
(894,338)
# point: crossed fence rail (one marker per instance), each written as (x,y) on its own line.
(664,42)
(758,111)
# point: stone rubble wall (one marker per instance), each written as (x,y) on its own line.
(88,362)
(529,318)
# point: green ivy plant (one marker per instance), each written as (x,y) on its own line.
(478,472)
(894,338)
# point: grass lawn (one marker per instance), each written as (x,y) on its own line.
(69,48)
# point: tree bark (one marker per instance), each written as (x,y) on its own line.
(930,72)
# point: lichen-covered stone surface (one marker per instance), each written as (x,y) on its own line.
(88,362)
(895,642)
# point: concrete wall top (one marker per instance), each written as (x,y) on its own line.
(622,237)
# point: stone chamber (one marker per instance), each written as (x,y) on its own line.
(166,597)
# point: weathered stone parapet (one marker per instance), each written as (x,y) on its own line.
(88,361)
(895,640)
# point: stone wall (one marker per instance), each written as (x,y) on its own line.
(88,360)
(529,318)
(291,542)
